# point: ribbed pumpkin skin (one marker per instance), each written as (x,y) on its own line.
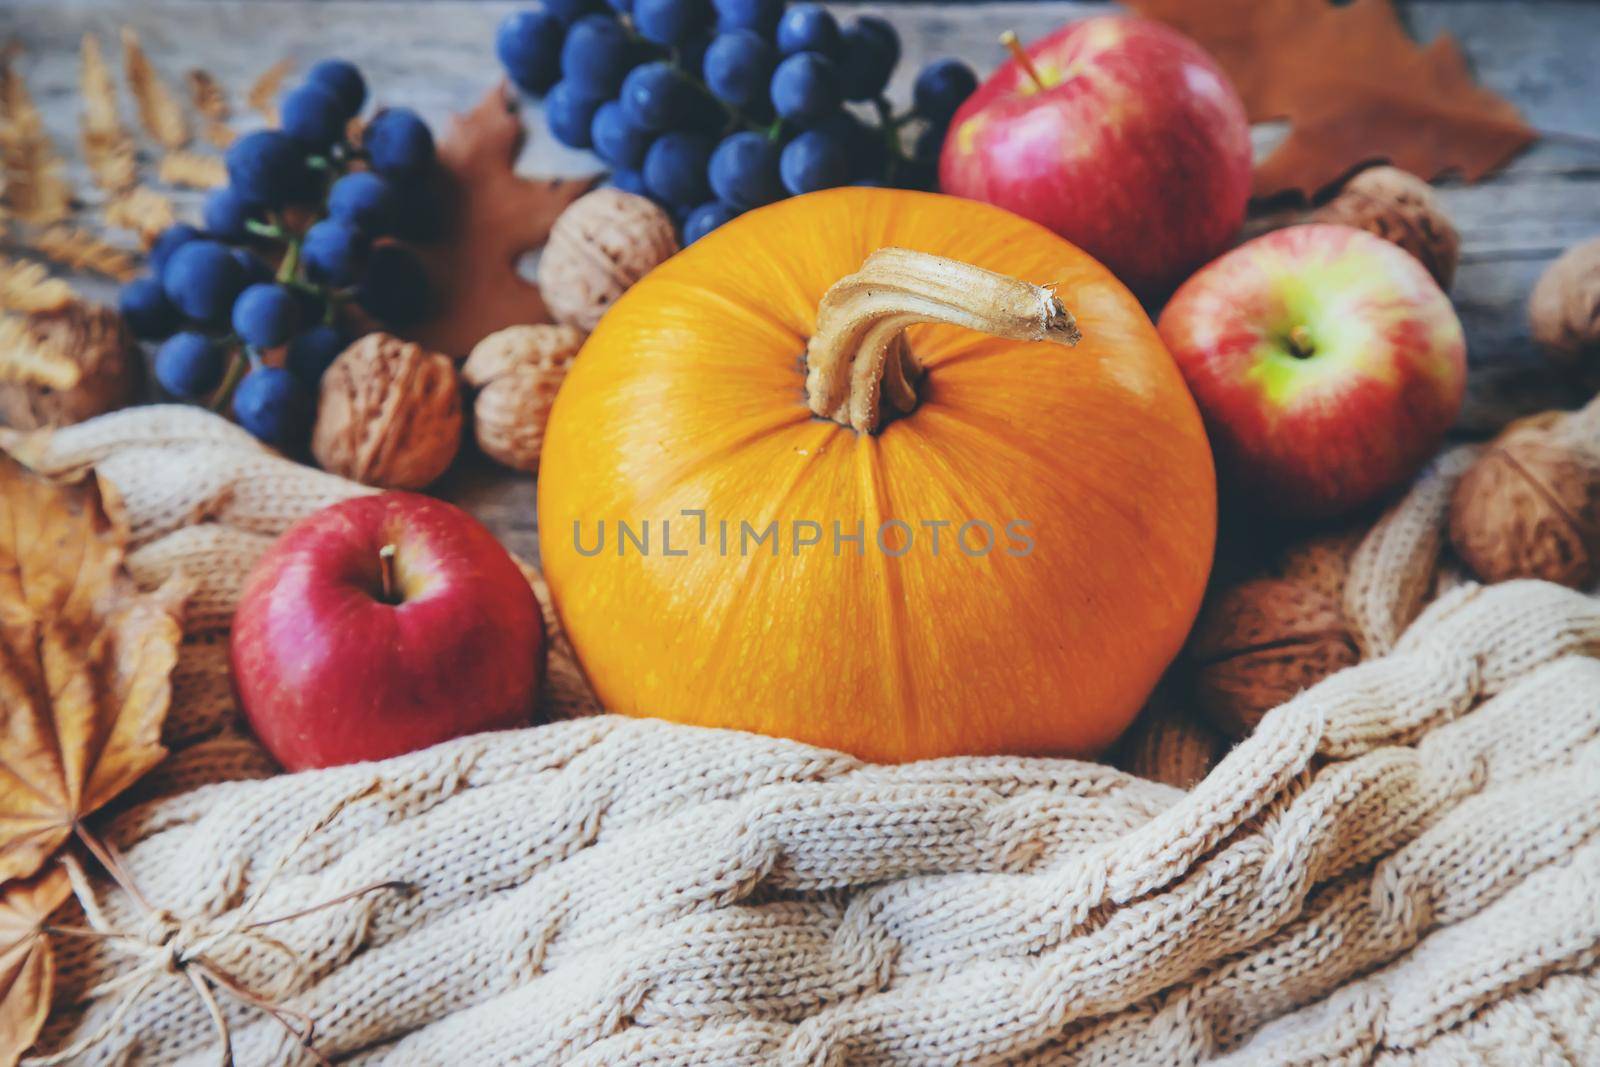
(690,395)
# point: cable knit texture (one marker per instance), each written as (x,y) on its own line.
(1400,865)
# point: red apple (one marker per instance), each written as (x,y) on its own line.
(1327,362)
(341,654)
(1130,144)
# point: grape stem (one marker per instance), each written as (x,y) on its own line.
(291,261)
(267,229)
(230,380)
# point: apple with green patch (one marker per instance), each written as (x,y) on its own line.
(1120,134)
(1327,362)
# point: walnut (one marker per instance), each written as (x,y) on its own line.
(1261,642)
(389,414)
(1399,207)
(517,372)
(1564,310)
(1530,506)
(603,243)
(66,365)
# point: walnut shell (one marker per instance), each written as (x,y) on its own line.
(1530,506)
(1260,643)
(389,414)
(603,243)
(1402,208)
(1564,309)
(82,362)
(517,372)
(1166,745)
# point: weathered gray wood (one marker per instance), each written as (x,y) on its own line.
(438,58)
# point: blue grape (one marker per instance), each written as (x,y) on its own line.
(310,304)
(621,7)
(808,28)
(311,352)
(149,314)
(273,407)
(529,46)
(675,168)
(333,251)
(398,142)
(202,280)
(870,48)
(738,68)
(569,11)
(616,140)
(630,181)
(341,78)
(929,143)
(814,160)
(805,87)
(863,144)
(314,116)
(265,315)
(941,88)
(252,267)
(189,365)
(705,218)
(595,57)
(570,115)
(225,213)
(658,96)
(267,167)
(365,201)
(669,22)
(758,16)
(171,239)
(395,286)
(744,170)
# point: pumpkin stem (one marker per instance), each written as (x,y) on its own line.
(859,358)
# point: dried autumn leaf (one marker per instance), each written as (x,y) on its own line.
(142,210)
(492,218)
(263,94)
(27,287)
(107,148)
(211,100)
(159,111)
(27,964)
(25,362)
(191,170)
(86,662)
(1354,86)
(35,189)
(81,250)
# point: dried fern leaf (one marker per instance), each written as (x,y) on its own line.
(210,99)
(191,170)
(81,250)
(263,95)
(107,148)
(36,191)
(26,287)
(142,210)
(159,111)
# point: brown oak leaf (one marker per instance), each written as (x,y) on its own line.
(27,964)
(86,662)
(1355,88)
(492,217)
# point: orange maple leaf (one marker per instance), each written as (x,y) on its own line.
(1355,88)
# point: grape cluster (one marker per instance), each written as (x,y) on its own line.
(303,227)
(714,107)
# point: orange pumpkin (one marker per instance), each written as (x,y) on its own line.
(713,401)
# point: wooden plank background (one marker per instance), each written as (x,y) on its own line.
(438,58)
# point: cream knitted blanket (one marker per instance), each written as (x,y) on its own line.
(1400,865)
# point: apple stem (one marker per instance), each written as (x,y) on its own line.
(1300,345)
(1014,46)
(386,570)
